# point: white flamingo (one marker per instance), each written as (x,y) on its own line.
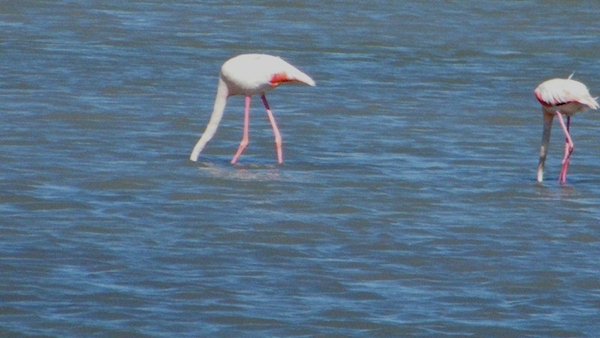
(561,97)
(249,74)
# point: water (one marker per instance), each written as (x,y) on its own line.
(406,205)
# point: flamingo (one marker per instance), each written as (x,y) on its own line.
(249,74)
(561,97)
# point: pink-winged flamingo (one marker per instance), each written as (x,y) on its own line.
(249,74)
(561,97)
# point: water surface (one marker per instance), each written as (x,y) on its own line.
(406,205)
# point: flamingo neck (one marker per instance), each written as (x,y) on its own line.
(215,119)
(548,118)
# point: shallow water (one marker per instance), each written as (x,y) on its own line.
(406,205)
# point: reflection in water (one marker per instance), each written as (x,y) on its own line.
(243,172)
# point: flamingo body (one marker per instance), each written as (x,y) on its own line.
(565,95)
(248,75)
(560,97)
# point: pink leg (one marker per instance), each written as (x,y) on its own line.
(245,139)
(562,178)
(275,130)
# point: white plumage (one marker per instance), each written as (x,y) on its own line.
(247,75)
(561,97)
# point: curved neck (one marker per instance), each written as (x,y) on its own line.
(215,119)
(548,118)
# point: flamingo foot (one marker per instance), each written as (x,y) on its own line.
(241,148)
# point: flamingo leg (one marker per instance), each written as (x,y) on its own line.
(569,146)
(245,138)
(275,129)
(568,151)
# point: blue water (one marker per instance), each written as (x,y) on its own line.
(406,205)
